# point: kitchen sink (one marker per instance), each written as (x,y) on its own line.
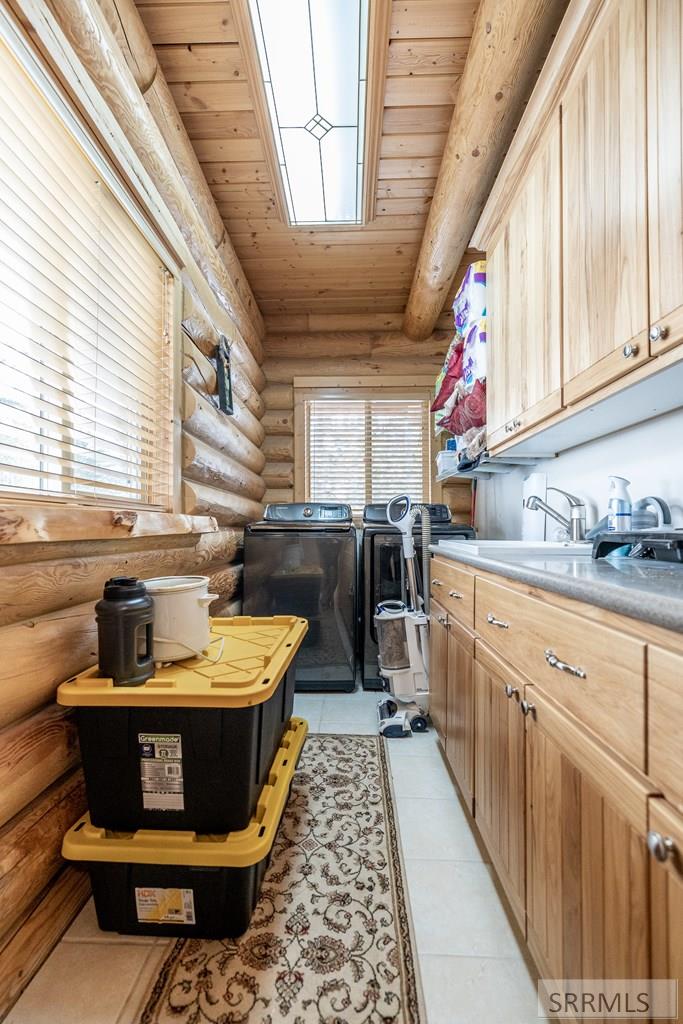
(518,550)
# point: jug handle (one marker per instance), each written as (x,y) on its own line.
(206,599)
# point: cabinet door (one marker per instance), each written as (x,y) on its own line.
(438,668)
(665,171)
(666,887)
(460,710)
(587,860)
(604,205)
(499,804)
(524,309)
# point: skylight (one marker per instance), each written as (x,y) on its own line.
(313,56)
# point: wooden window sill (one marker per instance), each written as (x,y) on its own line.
(40,523)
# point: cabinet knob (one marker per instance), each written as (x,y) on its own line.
(630,351)
(516,423)
(508,428)
(455,594)
(658,332)
(493,621)
(661,847)
(510,691)
(437,583)
(527,709)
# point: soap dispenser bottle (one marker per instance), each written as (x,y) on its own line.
(619,505)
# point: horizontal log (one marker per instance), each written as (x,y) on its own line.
(302,323)
(208,466)
(203,420)
(283,371)
(229,509)
(38,588)
(97,49)
(132,37)
(278,475)
(198,370)
(34,753)
(354,343)
(204,330)
(39,654)
(31,845)
(279,449)
(33,524)
(200,373)
(226,581)
(278,396)
(25,951)
(226,609)
(279,423)
(279,494)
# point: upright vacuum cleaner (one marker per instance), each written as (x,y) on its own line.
(403,633)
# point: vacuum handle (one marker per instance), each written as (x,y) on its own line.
(398,508)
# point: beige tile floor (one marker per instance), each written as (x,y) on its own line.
(471,965)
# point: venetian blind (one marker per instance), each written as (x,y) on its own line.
(85,307)
(367,449)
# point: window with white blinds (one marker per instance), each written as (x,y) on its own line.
(362,450)
(85,319)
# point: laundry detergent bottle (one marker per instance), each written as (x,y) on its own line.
(619,505)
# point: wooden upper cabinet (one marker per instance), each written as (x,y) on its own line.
(524,301)
(604,204)
(665,171)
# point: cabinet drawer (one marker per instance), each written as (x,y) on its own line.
(454,589)
(595,672)
(665,722)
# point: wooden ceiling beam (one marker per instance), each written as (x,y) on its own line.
(509,42)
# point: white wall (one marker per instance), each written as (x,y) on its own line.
(650,455)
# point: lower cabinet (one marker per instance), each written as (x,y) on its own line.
(665,839)
(438,667)
(499,775)
(586,851)
(460,709)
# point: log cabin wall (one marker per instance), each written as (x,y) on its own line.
(54,559)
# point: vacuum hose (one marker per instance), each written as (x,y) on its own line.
(426,541)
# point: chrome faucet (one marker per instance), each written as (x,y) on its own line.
(575,525)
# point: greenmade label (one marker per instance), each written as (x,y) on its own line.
(161,771)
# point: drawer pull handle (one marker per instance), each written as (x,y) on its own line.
(510,691)
(437,583)
(455,594)
(661,847)
(443,619)
(493,621)
(562,666)
(527,709)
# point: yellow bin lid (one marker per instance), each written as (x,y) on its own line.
(246,670)
(84,842)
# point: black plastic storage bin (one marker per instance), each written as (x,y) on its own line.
(184,884)
(191,748)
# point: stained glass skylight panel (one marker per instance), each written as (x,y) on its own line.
(313,56)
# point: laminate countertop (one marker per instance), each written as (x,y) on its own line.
(645,590)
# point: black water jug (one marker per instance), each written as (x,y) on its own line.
(125,616)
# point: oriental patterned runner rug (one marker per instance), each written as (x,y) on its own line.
(330,939)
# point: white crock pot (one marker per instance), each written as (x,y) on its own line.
(181,615)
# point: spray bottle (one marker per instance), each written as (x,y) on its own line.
(619,505)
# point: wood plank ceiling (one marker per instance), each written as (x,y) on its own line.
(303,278)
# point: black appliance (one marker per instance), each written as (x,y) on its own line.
(301,559)
(654,546)
(382,573)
